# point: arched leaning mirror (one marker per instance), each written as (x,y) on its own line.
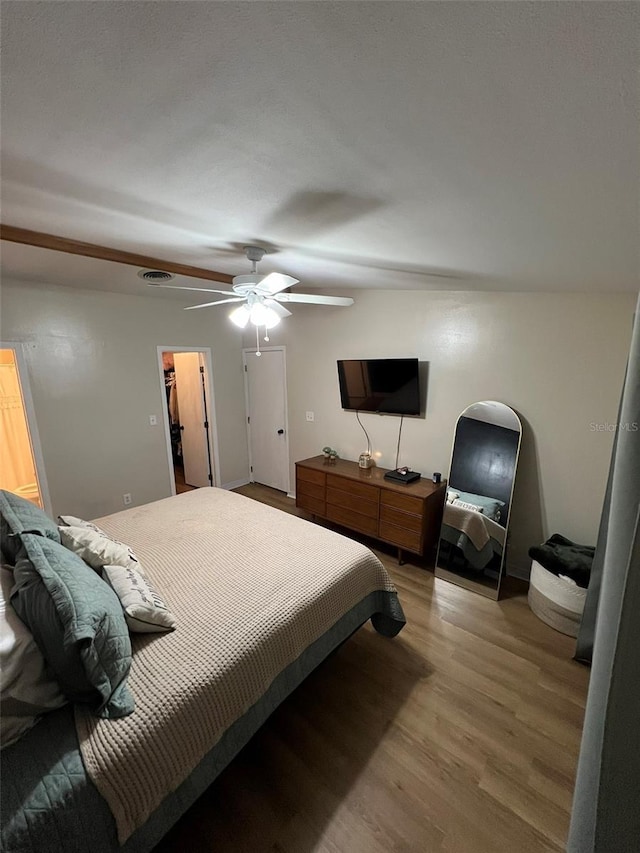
(475,523)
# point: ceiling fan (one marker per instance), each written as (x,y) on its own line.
(262,295)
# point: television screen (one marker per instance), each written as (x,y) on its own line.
(385,385)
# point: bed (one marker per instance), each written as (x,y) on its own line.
(261,598)
(477,536)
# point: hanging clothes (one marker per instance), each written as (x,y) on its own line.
(172,396)
(174,414)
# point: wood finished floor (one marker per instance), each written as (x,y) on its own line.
(181,486)
(459,735)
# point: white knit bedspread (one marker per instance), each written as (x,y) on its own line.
(478,527)
(251,588)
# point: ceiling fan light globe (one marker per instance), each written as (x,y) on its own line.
(240,316)
(262,315)
(272,319)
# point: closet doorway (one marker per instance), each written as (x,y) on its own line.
(188,416)
(21,462)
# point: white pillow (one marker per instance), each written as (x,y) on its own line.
(96,548)
(73,521)
(452,496)
(28,688)
(467,505)
(144,610)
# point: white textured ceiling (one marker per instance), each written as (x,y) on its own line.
(404,145)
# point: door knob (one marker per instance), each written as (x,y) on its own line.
(280,432)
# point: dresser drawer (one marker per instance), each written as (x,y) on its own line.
(336,497)
(401,519)
(407,503)
(353,520)
(309,475)
(361,490)
(317,507)
(312,490)
(399,536)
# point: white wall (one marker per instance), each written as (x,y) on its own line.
(92,362)
(557,359)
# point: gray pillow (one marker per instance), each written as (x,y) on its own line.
(20,516)
(77,623)
(491,507)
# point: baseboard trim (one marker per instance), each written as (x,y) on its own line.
(291,495)
(236,484)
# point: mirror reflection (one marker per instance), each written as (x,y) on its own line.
(473,536)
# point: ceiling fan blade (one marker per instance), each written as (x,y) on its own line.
(313,298)
(218,302)
(275,282)
(198,289)
(280,310)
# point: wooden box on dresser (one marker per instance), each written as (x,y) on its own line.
(407,516)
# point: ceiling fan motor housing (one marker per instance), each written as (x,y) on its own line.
(244,284)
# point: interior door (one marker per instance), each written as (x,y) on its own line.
(267,413)
(193,423)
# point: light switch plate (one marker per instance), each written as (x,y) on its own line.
(310,416)
(153,420)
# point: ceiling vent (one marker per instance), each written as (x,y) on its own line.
(156,276)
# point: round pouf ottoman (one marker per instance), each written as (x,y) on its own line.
(556,601)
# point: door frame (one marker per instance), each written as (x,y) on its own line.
(252,350)
(211,411)
(29,409)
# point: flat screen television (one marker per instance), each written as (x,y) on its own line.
(388,386)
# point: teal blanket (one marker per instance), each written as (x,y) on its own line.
(48,803)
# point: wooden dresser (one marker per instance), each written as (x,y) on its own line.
(407,516)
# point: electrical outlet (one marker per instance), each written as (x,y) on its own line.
(126,499)
(310,416)
(153,420)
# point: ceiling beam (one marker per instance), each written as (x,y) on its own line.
(90,250)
